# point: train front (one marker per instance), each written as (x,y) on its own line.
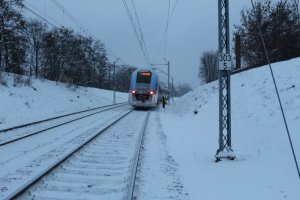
(143,88)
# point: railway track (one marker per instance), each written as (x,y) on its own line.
(103,167)
(13,134)
(56,117)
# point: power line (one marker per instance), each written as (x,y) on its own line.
(167,27)
(36,14)
(111,52)
(85,30)
(41,12)
(165,35)
(141,32)
(138,36)
(72,18)
(168,23)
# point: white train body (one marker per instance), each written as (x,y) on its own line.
(144,89)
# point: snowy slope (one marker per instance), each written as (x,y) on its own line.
(264,168)
(179,156)
(43,99)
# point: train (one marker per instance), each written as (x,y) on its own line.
(145,90)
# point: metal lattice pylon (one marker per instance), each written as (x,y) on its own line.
(225,150)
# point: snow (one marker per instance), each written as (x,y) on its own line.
(178,155)
(100,170)
(27,158)
(44,99)
(264,167)
(158,177)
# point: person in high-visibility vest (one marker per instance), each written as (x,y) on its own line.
(163,101)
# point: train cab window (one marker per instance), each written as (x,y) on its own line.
(144,77)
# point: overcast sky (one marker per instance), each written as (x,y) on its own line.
(193,29)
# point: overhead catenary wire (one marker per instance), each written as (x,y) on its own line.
(137,32)
(136,25)
(41,13)
(167,28)
(140,30)
(111,52)
(72,18)
(86,31)
(39,16)
(165,32)
(277,92)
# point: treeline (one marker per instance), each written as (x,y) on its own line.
(280,25)
(32,48)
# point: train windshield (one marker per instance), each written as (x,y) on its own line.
(144,77)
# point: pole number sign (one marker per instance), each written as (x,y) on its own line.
(225,61)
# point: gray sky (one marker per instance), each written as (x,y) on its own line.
(193,29)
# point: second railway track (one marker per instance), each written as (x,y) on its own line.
(13,134)
(102,168)
(56,117)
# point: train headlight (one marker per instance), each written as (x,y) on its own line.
(151,92)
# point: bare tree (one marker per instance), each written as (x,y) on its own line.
(12,51)
(35,33)
(123,75)
(296,5)
(208,68)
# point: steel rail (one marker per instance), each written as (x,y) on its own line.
(58,125)
(130,193)
(56,117)
(45,172)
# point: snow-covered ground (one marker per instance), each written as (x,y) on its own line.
(43,99)
(264,168)
(178,156)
